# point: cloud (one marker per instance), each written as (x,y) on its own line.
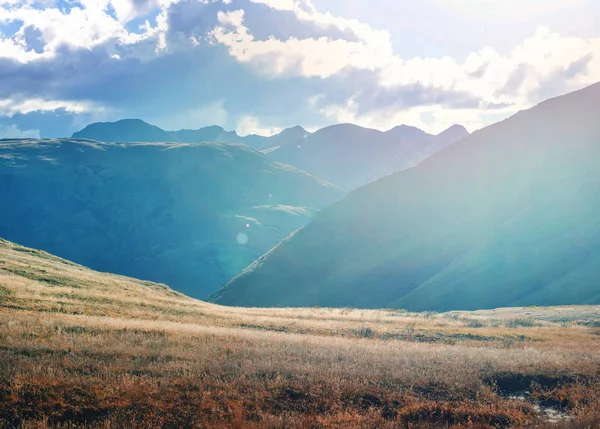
(486,77)
(309,57)
(516,78)
(10,107)
(251,125)
(13,132)
(260,65)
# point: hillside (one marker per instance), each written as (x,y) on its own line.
(190,215)
(124,131)
(350,156)
(136,130)
(80,348)
(505,217)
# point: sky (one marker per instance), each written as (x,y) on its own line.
(258,66)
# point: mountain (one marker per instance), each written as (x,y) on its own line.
(189,215)
(287,136)
(453,134)
(125,130)
(350,156)
(509,216)
(212,133)
(345,154)
(136,130)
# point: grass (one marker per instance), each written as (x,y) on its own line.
(80,348)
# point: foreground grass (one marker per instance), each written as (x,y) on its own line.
(81,348)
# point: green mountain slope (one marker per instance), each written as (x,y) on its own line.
(189,215)
(508,216)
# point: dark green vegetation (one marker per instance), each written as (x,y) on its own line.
(189,215)
(509,216)
(350,156)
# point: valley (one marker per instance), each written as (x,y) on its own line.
(299,214)
(190,215)
(506,217)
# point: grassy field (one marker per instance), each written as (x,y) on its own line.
(80,348)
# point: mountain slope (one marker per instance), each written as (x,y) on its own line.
(189,215)
(287,136)
(350,156)
(136,130)
(508,216)
(125,130)
(32,279)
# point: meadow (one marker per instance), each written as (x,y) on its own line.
(79,348)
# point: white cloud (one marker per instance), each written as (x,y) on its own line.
(13,132)
(432,119)
(85,26)
(514,79)
(234,18)
(542,65)
(251,125)
(322,57)
(544,54)
(9,107)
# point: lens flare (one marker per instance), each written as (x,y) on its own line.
(242,238)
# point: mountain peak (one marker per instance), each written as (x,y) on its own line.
(407,130)
(405,127)
(296,128)
(124,130)
(455,129)
(287,135)
(209,128)
(296,131)
(127,121)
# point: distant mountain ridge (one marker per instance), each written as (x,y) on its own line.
(508,216)
(349,155)
(136,130)
(189,215)
(345,154)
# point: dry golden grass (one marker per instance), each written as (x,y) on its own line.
(85,349)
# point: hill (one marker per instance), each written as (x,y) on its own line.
(350,156)
(136,130)
(82,348)
(506,217)
(190,215)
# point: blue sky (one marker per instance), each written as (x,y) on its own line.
(258,66)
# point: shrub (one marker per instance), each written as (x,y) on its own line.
(364,332)
(524,322)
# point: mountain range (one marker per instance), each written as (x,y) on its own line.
(350,156)
(508,216)
(344,154)
(189,215)
(136,130)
